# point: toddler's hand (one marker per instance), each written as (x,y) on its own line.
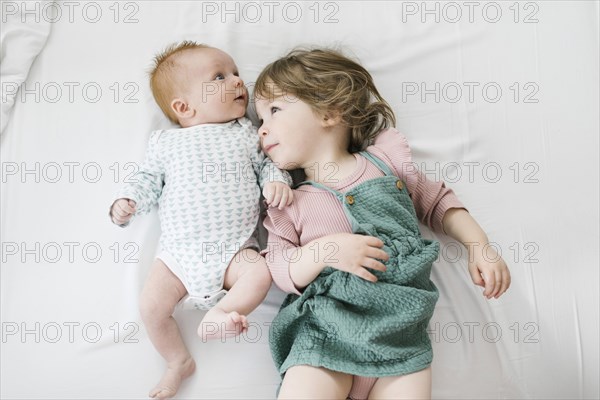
(354,253)
(278,194)
(489,271)
(122,210)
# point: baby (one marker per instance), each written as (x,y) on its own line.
(204,177)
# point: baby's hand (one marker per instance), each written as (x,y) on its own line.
(122,210)
(278,194)
(354,253)
(489,271)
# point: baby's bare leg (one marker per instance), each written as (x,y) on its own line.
(306,382)
(161,293)
(412,386)
(248,280)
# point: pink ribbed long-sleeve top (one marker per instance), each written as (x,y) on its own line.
(316,213)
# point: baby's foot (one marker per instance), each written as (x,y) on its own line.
(171,380)
(219,324)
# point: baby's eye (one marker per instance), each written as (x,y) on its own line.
(219,77)
(275,109)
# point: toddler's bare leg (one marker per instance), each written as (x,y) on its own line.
(161,293)
(248,280)
(412,386)
(306,382)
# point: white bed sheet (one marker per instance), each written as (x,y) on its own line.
(523,160)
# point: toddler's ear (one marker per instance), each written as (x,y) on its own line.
(331,118)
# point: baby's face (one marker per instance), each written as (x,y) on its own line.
(212,86)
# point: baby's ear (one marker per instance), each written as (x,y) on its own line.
(181,109)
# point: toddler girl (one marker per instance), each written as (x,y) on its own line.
(349,250)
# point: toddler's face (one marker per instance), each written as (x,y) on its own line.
(212,87)
(290,132)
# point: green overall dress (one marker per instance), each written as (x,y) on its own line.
(344,323)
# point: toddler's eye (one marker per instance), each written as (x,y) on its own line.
(219,77)
(275,109)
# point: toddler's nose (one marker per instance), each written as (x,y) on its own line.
(238,82)
(262,130)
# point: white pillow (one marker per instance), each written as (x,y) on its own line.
(25,29)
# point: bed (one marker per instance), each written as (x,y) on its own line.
(499,99)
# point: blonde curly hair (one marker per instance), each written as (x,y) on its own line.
(330,83)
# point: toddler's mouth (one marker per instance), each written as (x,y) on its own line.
(268,148)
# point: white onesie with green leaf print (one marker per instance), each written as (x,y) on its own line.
(205,179)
